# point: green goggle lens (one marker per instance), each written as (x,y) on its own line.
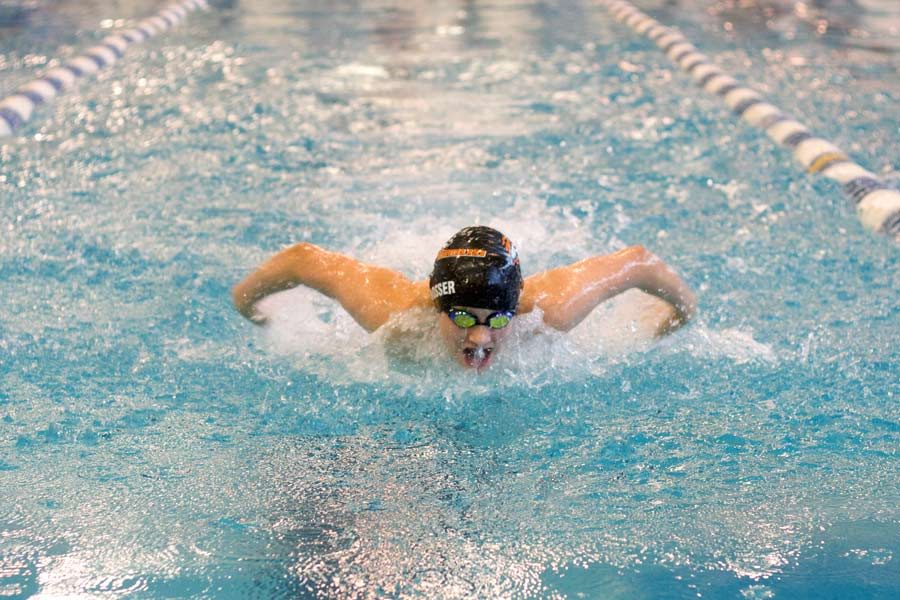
(465,320)
(498,321)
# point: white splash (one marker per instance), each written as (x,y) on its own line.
(322,338)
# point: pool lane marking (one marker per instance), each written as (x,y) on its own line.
(877,204)
(17,109)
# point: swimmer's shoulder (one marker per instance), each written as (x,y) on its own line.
(400,297)
(411,304)
(419,296)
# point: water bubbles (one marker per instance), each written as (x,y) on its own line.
(757,592)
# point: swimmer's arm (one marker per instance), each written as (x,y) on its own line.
(568,294)
(369,293)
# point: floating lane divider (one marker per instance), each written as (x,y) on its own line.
(877,204)
(18,108)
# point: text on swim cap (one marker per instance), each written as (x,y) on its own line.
(442,289)
(451,252)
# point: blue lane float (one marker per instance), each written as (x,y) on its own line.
(877,204)
(17,109)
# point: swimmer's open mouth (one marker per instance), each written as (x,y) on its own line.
(477,357)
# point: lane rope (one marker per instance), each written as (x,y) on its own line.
(877,204)
(18,108)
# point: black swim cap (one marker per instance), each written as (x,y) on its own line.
(479,268)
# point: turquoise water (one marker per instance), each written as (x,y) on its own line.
(154,444)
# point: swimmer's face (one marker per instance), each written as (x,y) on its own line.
(473,348)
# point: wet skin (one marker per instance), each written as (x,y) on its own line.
(473,348)
(565,295)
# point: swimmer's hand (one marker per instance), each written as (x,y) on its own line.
(669,319)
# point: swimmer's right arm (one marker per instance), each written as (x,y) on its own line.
(369,293)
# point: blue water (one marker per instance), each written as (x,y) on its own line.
(155,444)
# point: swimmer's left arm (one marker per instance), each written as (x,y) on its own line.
(568,294)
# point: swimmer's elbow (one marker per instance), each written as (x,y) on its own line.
(637,268)
(640,256)
(654,276)
(301,250)
(559,322)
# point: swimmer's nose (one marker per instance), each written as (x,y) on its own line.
(479,335)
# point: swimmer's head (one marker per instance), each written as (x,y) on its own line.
(477,267)
(476,284)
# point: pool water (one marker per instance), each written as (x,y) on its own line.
(154,444)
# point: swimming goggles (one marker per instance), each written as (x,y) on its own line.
(464,319)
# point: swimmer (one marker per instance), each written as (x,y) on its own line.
(475,290)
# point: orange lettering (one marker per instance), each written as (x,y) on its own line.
(455,252)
